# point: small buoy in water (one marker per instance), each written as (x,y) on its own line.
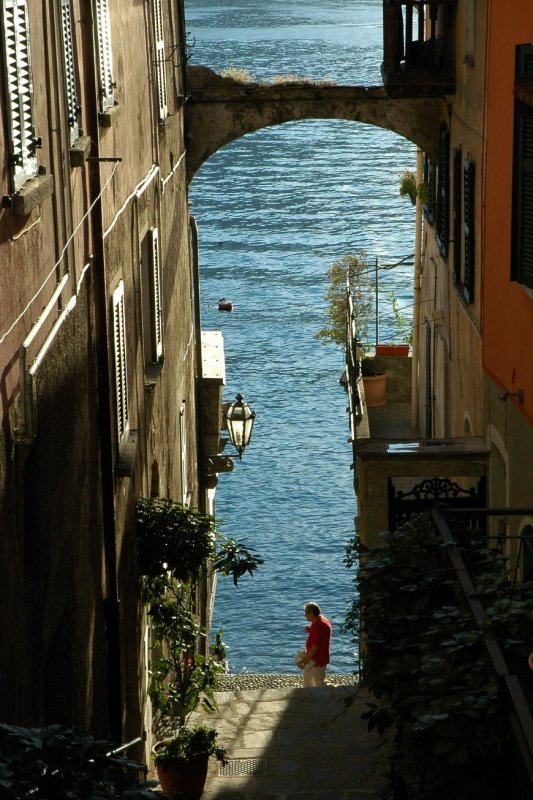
(224,304)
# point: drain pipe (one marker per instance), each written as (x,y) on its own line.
(417,292)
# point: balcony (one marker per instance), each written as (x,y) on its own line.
(419,47)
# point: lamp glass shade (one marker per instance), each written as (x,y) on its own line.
(240,421)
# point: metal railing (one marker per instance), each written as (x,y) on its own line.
(520,717)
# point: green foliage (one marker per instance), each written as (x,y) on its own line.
(435,701)
(176,547)
(361,277)
(200,740)
(64,763)
(409,188)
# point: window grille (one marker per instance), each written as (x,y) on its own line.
(70,71)
(19,93)
(160,67)
(469,229)
(105,62)
(121,373)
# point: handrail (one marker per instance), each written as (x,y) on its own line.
(520,714)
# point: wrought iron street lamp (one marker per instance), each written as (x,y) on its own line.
(240,421)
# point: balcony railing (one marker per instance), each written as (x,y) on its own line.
(419,47)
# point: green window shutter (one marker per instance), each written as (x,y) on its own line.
(19,93)
(160,66)
(457,213)
(522,240)
(70,71)
(429,178)
(121,372)
(469,229)
(442,227)
(105,61)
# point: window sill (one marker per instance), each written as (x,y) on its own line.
(126,459)
(32,194)
(151,376)
(107,117)
(79,152)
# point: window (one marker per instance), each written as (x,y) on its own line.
(526,541)
(522,239)
(183,453)
(70,72)
(429,178)
(161,79)
(121,373)
(457,214)
(443,192)
(152,306)
(19,93)
(469,184)
(470,31)
(105,65)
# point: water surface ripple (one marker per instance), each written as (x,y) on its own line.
(274,209)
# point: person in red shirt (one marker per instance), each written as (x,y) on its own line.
(316,658)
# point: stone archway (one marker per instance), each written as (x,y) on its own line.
(219,110)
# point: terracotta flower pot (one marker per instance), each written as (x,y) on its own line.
(375,390)
(185,776)
(392,349)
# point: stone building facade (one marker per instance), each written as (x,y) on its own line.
(99,346)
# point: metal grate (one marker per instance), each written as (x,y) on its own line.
(243,766)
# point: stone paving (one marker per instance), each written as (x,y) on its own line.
(286,742)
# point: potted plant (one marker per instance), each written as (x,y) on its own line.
(410,189)
(176,546)
(182,761)
(353,275)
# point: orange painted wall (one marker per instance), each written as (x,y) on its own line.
(507,307)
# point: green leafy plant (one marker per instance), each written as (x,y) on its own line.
(63,763)
(178,545)
(435,701)
(190,742)
(410,189)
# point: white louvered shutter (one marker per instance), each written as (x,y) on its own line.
(161,79)
(19,90)
(105,61)
(70,71)
(156,311)
(121,372)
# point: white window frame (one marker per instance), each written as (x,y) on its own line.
(105,60)
(73,109)
(152,298)
(185,499)
(19,92)
(121,367)
(160,64)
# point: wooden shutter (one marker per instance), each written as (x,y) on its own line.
(105,62)
(469,229)
(457,213)
(156,313)
(161,78)
(19,90)
(121,372)
(70,71)
(522,240)
(429,178)
(443,193)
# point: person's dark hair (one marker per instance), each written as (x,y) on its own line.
(313,608)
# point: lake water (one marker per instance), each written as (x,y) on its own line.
(274,210)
